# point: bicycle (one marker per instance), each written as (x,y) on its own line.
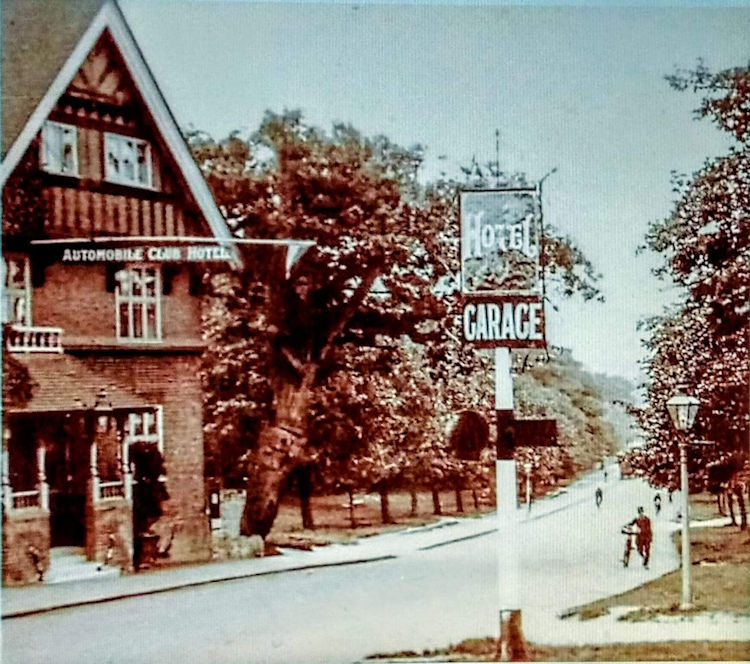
(630,532)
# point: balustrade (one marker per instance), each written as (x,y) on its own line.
(23,499)
(34,339)
(109,490)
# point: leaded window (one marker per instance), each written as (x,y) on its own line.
(138,304)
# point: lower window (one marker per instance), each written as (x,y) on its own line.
(138,304)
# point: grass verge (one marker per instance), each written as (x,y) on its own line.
(484,650)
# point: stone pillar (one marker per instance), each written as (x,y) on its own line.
(109,521)
(94,473)
(127,475)
(7,490)
(41,454)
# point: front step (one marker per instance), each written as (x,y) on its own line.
(68,563)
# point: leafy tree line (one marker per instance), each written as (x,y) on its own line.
(347,370)
(702,341)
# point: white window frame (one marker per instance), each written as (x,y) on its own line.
(122,144)
(23,294)
(55,163)
(142,301)
(136,432)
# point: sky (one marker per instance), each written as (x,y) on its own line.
(576,88)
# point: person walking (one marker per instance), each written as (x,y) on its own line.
(657,503)
(599,496)
(644,535)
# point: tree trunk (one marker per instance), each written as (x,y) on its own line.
(414,502)
(436,509)
(385,509)
(475,496)
(720,504)
(730,506)
(280,449)
(459,501)
(352,518)
(741,505)
(304,482)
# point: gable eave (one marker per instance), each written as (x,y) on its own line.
(111,18)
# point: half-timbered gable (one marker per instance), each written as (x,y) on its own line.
(105,167)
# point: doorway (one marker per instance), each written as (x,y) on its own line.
(67,469)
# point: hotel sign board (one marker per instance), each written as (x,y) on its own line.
(126,251)
(500,273)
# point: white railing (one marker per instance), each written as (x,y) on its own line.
(23,499)
(109,490)
(34,339)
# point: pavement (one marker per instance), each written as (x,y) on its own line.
(30,600)
(542,623)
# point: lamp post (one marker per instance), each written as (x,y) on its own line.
(682,409)
(527,468)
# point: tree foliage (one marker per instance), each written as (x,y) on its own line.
(702,341)
(352,361)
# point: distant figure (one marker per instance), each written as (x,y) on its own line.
(599,496)
(644,536)
(657,503)
(605,475)
(670,495)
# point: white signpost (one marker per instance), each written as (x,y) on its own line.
(503,308)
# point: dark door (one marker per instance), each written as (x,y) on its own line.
(67,475)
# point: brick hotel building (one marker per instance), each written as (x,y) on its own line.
(113,349)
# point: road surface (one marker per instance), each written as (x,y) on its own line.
(421,599)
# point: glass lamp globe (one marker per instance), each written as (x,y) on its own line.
(682,409)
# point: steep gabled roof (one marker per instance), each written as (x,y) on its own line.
(45,43)
(48,31)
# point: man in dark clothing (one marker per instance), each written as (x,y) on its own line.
(599,496)
(657,503)
(644,536)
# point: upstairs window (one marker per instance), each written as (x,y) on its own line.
(138,304)
(60,148)
(127,160)
(16,301)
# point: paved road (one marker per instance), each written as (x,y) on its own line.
(421,599)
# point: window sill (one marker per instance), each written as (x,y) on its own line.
(61,174)
(114,346)
(132,185)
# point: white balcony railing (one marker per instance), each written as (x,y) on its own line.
(109,490)
(23,499)
(34,339)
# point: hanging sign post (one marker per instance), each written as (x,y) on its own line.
(501,242)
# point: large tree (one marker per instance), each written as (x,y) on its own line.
(703,340)
(383,269)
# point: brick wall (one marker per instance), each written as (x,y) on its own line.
(22,529)
(171,381)
(110,518)
(75,298)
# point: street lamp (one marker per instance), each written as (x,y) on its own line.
(682,409)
